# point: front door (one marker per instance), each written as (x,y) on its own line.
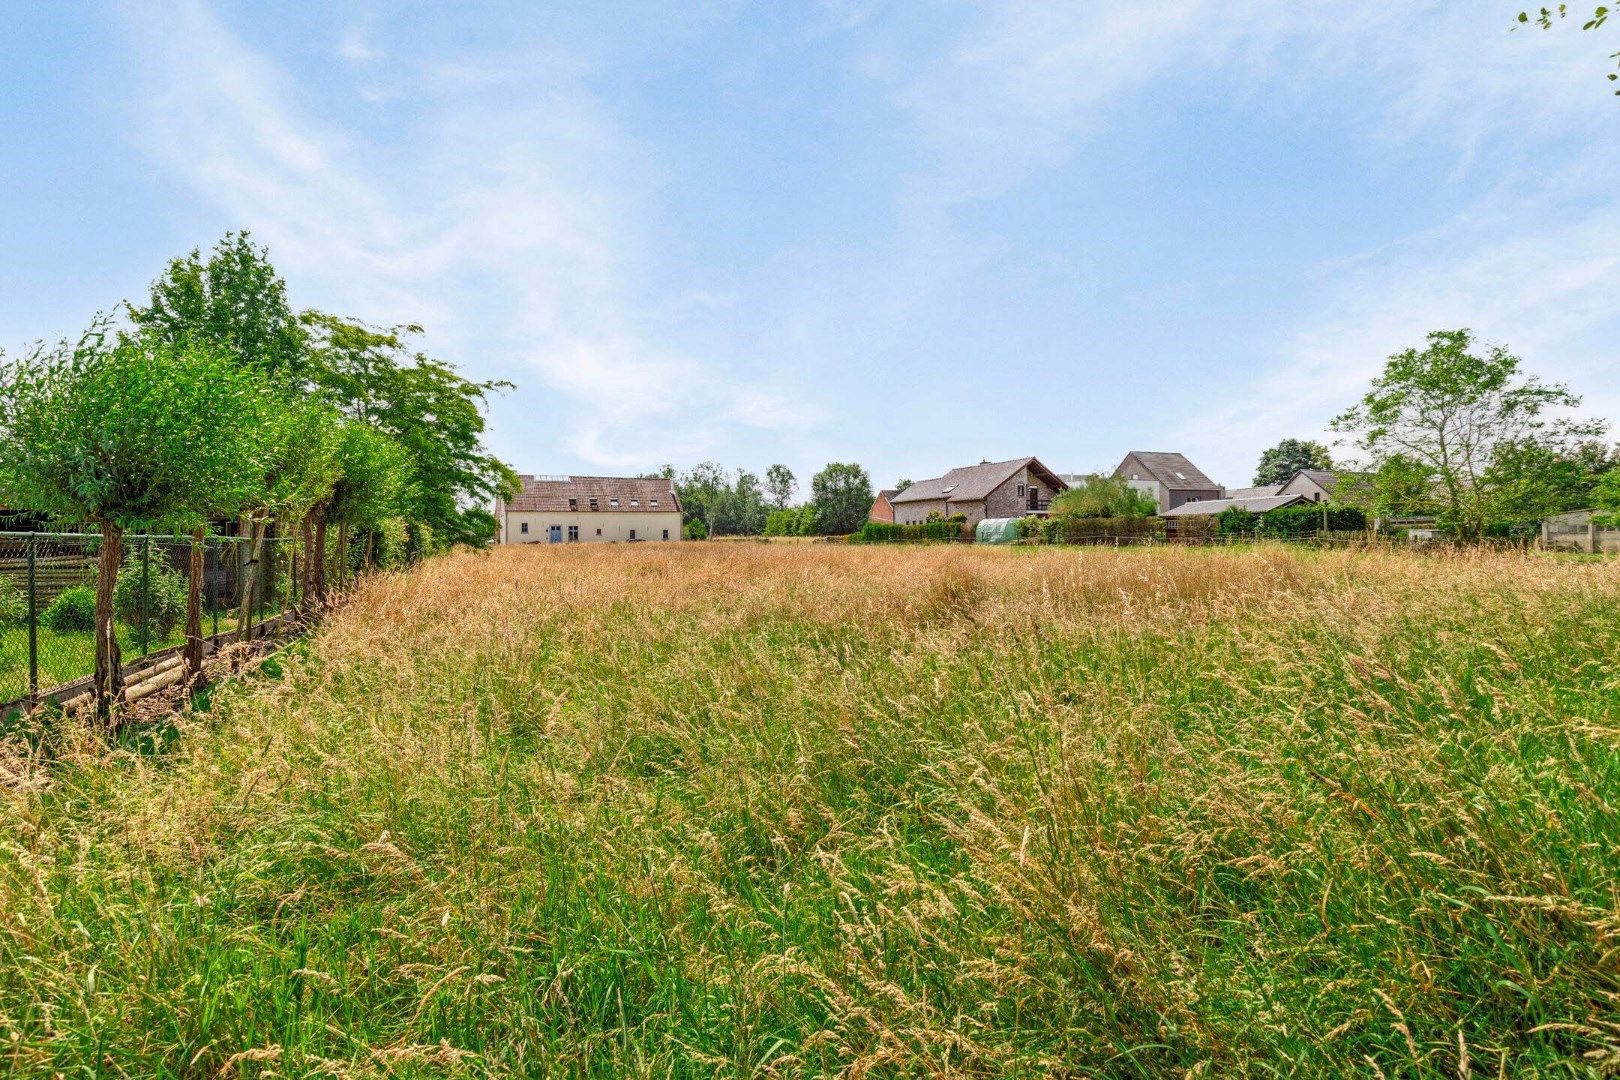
(556,534)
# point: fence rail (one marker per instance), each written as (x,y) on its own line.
(47,600)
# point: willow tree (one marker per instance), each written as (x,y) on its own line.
(299,470)
(134,435)
(372,481)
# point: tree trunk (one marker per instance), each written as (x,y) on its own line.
(109,683)
(343,555)
(250,578)
(320,561)
(194,603)
(365,560)
(306,572)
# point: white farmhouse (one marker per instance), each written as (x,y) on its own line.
(590,509)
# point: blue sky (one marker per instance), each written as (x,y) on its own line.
(911,235)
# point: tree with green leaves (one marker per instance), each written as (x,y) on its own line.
(1098,496)
(1546,17)
(1279,464)
(1446,413)
(780,483)
(1606,499)
(371,481)
(841,495)
(233,300)
(433,414)
(139,434)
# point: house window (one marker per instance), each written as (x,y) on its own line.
(635,502)
(666,534)
(573,504)
(613,502)
(1020,491)
(593,504)
(598,532)
(573,534)
(632,534)
(655,502)
(1192,498)
(523,528)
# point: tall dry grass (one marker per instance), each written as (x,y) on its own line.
(792,810)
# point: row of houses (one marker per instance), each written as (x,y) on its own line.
(624,509)
(1024,486)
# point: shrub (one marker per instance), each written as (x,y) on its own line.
(808,522)
(13,604)
(1100,530)
(695,530)
(1290,521)
(162,602)
(781,522)
(72,612)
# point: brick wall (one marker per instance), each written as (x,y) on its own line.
(881,510)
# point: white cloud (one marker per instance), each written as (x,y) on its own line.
(508,227)
(1535,265)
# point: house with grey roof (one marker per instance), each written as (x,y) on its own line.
(990,489)
(1168,478)
(1316,485)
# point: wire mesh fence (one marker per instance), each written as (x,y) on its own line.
(48,595)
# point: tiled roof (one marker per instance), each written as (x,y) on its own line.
(970,483)
(1255,492)
(1325,478)
(1173,470)
(552,493)
(1206,507)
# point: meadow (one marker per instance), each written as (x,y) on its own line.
(803,810)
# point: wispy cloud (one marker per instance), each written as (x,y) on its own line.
(1535,264)
(510,229)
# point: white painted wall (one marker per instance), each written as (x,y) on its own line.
(601,527)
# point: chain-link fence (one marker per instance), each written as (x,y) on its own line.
(48,598)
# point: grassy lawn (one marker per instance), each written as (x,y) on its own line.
(800,810)
(64,657)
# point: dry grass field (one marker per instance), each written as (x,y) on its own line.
(802,810)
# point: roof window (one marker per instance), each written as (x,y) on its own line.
(635,502)
(613,502)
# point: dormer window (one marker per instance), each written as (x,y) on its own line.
(593,504)
(635,502)
(654,502)
(573,504)
(613,502)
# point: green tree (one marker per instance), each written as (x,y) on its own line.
(780,483)
(234,300)
(1606,498)
(1545,17)
(433,413)
(842,496)
(1099,496)
(137,434)
(1279,464)
(1445,411)
(371,480)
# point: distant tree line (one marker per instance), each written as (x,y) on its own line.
(215,402)
(715,502)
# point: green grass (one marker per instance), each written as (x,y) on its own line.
(792,810)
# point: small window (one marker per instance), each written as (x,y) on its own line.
(573,534)
(613,502)
(635,502)
(1020,490)
(1192,498)
(593,504)
(573,504)
(523,528)
(655,502)
(632,534)
(666,534)
(598,532)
